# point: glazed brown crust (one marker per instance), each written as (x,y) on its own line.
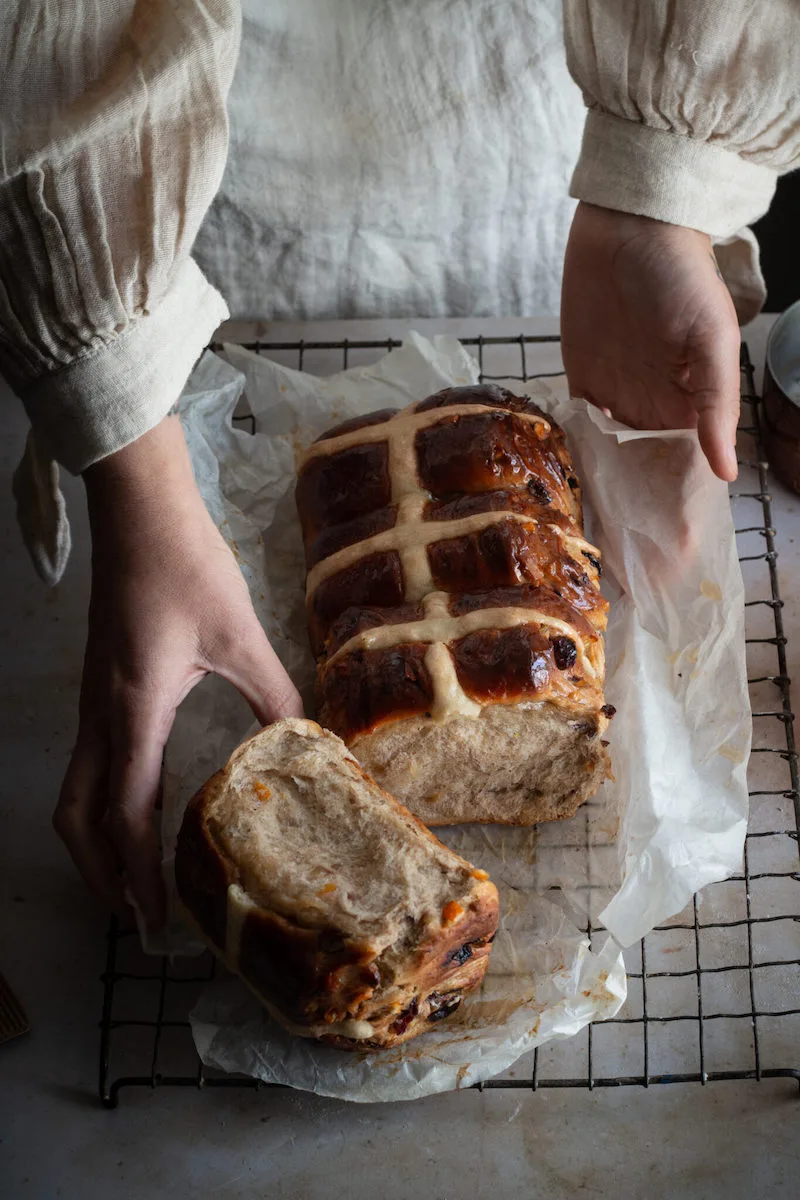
(369,687)
(338,489)
(534,500)
(505,554)
(544,600)
(500,451)
(487,452)
(512,553)
(317,977)
(347,533)
(365,689)
(373,418)
(376,580)
(486,394)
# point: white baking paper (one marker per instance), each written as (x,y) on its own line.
(572,893)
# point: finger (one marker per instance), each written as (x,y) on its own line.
(76,820)
(255,670)
(717,432)
(717,406)
(139,734)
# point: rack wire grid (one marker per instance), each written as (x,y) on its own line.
(712,993)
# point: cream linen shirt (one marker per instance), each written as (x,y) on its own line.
(114,137)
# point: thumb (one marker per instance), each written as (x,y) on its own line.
(716,429)
(255,670)
(717,406)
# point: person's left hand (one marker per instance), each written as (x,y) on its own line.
(649,330)
(168,606)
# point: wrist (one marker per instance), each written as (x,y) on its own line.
(618,225)
(145,481)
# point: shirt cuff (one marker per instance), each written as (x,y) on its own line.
(653,173)
(111,396)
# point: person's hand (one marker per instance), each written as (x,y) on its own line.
(648,328)
(168,605)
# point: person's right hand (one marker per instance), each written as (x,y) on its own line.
(649,330)
(168,606)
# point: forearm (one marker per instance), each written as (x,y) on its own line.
(150,480)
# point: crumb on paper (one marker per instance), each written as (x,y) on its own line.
(711,590)
(732,753)
(599,994)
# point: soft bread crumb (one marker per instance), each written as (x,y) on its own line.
(390,874)
(515,764)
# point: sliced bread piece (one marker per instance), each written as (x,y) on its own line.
(350,921)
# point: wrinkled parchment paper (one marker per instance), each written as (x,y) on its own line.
(673,819)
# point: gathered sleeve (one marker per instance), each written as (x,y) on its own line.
(694,108)
(113,139)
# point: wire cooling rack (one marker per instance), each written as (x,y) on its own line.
(712,994)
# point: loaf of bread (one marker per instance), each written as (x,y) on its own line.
(349,920)
(454,607)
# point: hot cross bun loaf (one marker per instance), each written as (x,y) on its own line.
(454,607)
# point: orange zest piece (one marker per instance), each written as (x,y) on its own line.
(451,912)
(479,874)
(329,887)
(360,997)
(261,790)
